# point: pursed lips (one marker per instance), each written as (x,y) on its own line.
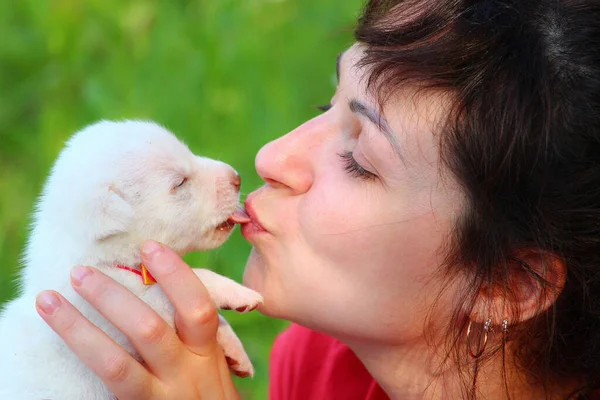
(248,204)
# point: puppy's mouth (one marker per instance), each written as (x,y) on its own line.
(239,216)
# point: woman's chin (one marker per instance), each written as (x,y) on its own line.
(256,278)
(264,309)
(254,273)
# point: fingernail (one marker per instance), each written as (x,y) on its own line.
(48,302)
(151,249)
(78,274)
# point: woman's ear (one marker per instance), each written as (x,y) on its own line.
(533,281)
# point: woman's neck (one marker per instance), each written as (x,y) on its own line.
(412,371)
(405,372)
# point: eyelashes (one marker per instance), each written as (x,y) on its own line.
(180,183)
(324,107)
(354,169)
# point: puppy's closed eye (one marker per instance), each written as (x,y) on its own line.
(181,182)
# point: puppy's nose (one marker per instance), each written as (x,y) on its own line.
(236,181)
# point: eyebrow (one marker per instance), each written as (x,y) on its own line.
(379,121)
(376,118)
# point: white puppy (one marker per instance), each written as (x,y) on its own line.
(115,185)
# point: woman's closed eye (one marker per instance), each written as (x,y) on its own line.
(324,107)
(351,166)
(354,168)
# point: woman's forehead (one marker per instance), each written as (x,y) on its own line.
(346,64)
(411,96)
(411,111)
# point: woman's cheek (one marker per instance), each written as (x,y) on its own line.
(336,227)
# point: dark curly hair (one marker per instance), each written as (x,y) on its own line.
(523,140)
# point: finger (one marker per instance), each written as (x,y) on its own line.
(156,342)
(196,316)
(229,390)
(121,373)
(216,381)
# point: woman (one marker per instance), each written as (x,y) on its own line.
(440,219)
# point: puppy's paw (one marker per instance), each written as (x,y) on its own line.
(237,359)
(227,293)
(243,300)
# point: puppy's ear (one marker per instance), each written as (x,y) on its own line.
(111,214)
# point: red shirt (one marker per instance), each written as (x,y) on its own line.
(307,365)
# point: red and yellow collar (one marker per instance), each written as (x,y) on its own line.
(147,278)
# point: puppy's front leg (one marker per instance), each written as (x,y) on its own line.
(227,293)
(238,360)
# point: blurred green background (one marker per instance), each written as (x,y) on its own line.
(226,76)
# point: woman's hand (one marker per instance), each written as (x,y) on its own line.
(188,364)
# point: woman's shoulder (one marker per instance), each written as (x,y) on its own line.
(310,365)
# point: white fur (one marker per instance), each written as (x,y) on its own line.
(112,188)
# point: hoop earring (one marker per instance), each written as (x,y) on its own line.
(486,329)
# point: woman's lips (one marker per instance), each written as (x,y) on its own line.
(253,226)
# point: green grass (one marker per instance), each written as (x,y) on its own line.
(226,76)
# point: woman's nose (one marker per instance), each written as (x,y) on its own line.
(288,161)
